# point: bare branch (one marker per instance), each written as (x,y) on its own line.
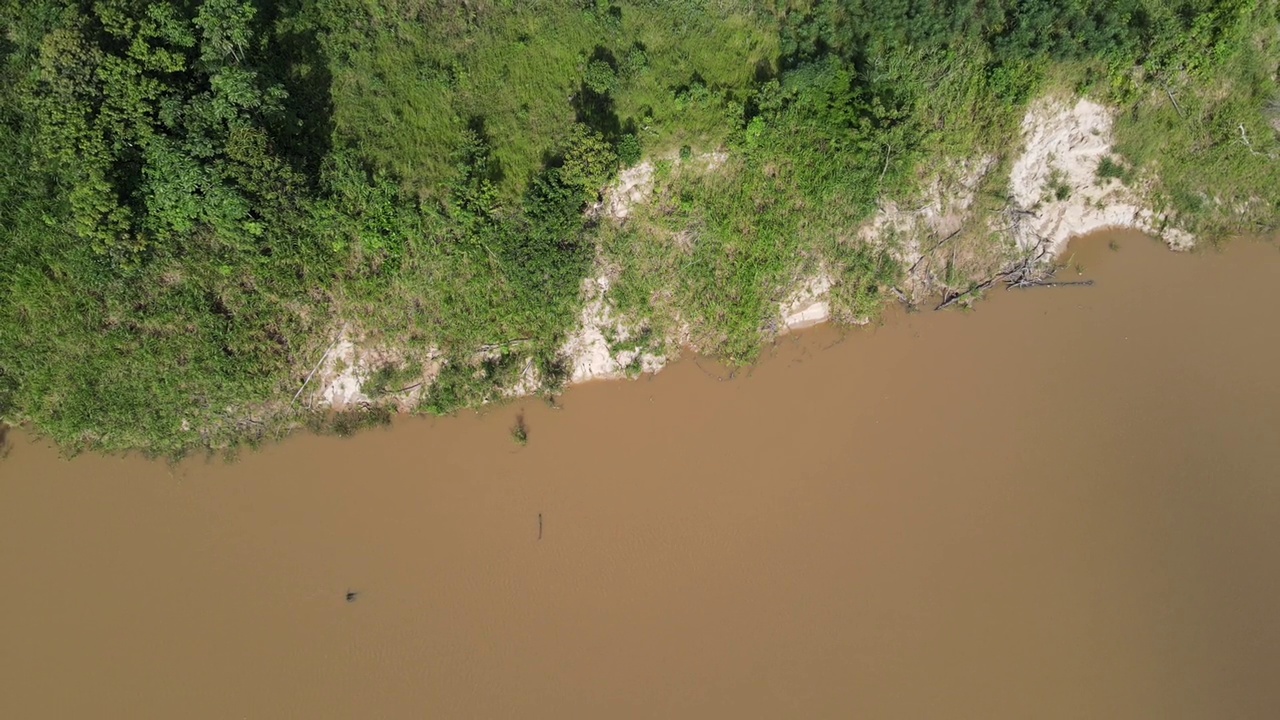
(313,370)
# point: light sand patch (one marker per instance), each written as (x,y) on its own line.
(911,228)
(529,382)
(711,161)
(634,186)
(807,305)
(940,211)
(349,364)
(1054,183)
(591,354)
(341,375)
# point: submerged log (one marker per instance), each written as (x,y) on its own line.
(1048,283)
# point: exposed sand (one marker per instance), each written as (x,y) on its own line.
(909,229)
(1055,193)
(633,186)
(589,350)
(342,374)
(1064,147)
(339,380)
(807,305)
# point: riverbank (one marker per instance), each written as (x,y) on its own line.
(354,212)
(1062,505)
(944,244)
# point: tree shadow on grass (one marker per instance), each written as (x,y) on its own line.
(594,106)
(303,132)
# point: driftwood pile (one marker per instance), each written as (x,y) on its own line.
(1026,273)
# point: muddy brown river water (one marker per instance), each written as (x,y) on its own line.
(1063,505)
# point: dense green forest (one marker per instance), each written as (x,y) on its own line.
(196,195)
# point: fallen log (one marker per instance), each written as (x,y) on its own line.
(1048,283)
(960,296)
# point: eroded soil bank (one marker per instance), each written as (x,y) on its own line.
(1062,505)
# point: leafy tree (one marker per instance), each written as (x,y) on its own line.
(589,161)
(600,77)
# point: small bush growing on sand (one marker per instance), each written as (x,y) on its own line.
(1058,188)
(1108,168)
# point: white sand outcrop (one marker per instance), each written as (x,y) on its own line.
(634,186)
(591,353)
(1055,183)
(339,380)
(807,305)
(341,375)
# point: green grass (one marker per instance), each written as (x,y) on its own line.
(410,79)
(1194,154)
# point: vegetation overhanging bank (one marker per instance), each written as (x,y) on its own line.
(219,217)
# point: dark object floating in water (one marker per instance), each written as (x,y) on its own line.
(352,595)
